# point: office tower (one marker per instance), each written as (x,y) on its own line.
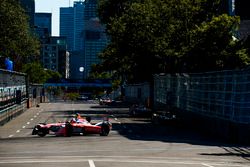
(71,25)
(55,56)
(43,24)
(95,36)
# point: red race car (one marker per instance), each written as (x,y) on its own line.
(80,127)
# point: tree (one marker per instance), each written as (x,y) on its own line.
(37,74)
(16,39)
(152,36)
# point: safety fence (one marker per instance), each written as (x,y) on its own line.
(222,94)
(216,103)
(137,93)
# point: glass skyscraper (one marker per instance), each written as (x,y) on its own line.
(71,25)
(95,36)
(85,36)
(43,24)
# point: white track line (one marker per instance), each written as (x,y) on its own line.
(91,163)
(207,165)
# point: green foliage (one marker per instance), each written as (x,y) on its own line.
(16,39)
(37,74)
(152,36)
(72,96)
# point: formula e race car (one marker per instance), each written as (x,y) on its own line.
(69,128)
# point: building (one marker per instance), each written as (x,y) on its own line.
(242,10)
(77,65)
(43,24)
(54,55)
(95,37)
(71,25)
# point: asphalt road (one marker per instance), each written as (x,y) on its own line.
(132,142)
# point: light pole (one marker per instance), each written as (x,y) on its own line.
(81,69)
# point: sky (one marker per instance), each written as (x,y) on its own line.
(52,6)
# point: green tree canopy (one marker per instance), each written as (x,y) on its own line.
(152,36)
(37,74)
(16,39)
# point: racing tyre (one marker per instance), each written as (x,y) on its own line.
(69,129)
(41,132)
(105,130)
(83,132)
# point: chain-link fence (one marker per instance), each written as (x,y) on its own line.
(222,94)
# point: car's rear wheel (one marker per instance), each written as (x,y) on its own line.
(83,132)
(69,129)
(105,130)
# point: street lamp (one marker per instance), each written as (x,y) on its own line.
(81,69)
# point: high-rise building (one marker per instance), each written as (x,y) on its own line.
(71,25)
(94,34)
(43,24)
(54,55)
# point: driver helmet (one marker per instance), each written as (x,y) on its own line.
(77,115)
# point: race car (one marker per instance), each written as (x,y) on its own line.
(69,128)
(106,101)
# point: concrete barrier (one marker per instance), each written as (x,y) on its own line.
(11,112)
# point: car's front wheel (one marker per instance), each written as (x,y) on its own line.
(41,132)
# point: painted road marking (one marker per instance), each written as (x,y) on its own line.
(17,131)
(31,119)
(207,165)
(35,116)
(28,123)
(24,127)
(11,135)
(56,159)
(91,163)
